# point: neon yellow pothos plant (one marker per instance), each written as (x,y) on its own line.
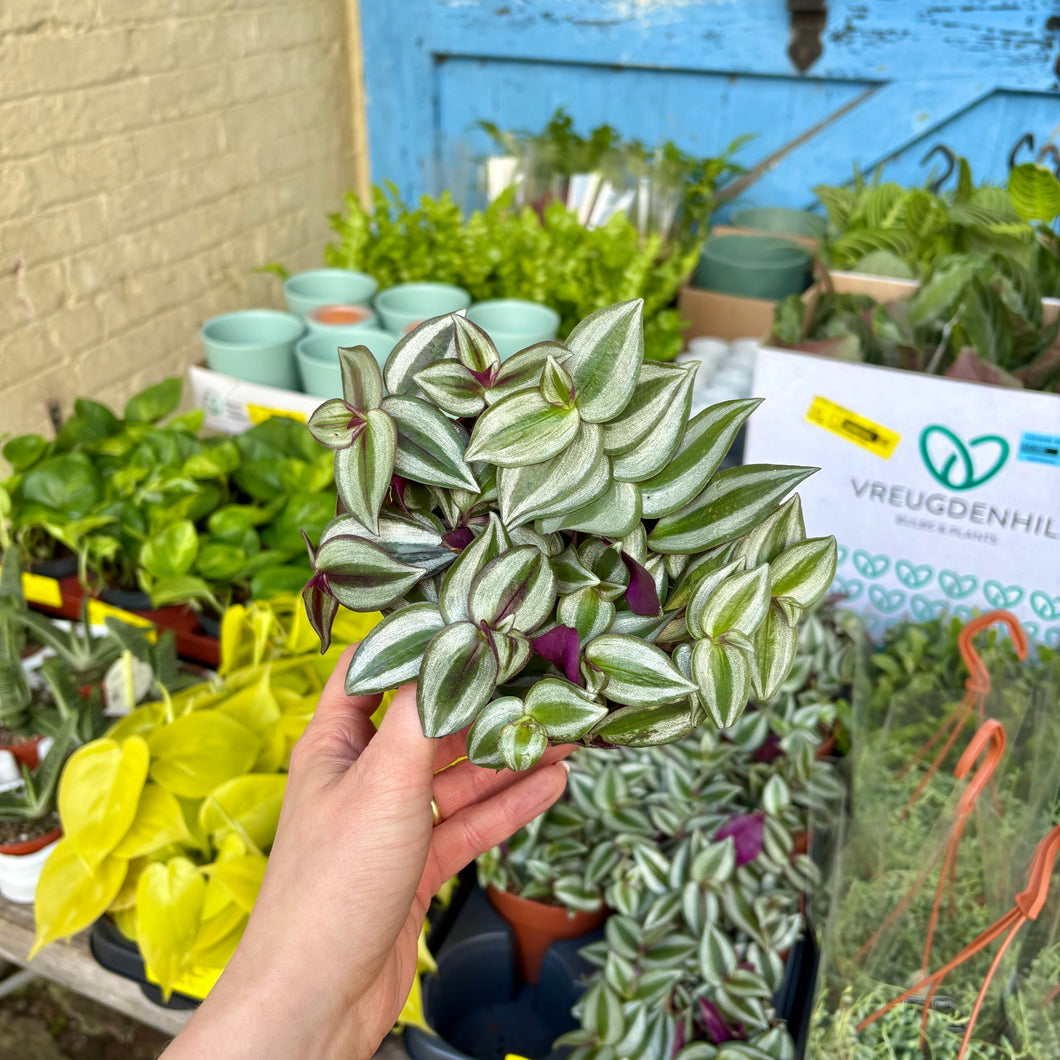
(169,818)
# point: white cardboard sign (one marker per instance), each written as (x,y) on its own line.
(943,495)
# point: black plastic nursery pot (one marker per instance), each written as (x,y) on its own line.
(479,1006)
(120,955)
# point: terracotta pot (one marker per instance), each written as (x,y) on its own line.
(31,846)
(537,926)
(25,753)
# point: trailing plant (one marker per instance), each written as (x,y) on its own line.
(556,553)
(152,505)
(501,252)
(972,319)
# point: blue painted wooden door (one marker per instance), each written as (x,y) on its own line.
(895,77)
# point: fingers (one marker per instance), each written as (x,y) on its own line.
(465,784)
(474,829)
(341,727)
(400,749)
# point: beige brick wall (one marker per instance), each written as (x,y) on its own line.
(152,154)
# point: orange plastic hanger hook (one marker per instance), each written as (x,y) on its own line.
(989,737)
(978,675)
(1028,905)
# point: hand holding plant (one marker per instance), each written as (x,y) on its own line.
(349,880)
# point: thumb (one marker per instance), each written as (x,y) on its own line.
(399,748)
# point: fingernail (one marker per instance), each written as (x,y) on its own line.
(566,766)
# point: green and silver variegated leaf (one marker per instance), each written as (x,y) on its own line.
(452,387)
(663,394)
(607,349)
(602,1014)
(773,534)
(646,726)
(548,545)
(694,571)
(522,371)
(557,387)
(638,674)
(578,474)
(707,439)
(361,576)
(522,743)
(362,382)
(433,340)
(737,605)
(333,424)
(722,673)
(483,738)
(490,543)
(613,514)
(364,468)
(565,711)
(513,653)
(571,574)
(704,589)
(390,654)
(775,643)
(586,612)
(803,572)
(516,588)
(645,627)
(474,348)
(415,539)
(458,676)
(430,447)
(522,429)
(733,502)
(320,608)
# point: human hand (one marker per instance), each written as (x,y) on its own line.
(329,954)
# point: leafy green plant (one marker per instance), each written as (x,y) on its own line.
(34,801)
(971,319)
(153,506)
(506,253)
(556,553)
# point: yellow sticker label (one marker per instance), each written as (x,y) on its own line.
(38,589)
(98,611)
(852,427)
(260,413)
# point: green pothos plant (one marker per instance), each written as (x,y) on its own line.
(554,549)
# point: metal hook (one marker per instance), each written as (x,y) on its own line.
(1052,152)
(1026,140)
(951,158)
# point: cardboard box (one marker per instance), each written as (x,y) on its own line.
(943,494)
(233,406)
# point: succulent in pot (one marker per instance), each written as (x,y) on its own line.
(556,554)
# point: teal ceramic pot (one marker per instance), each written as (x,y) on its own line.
(318,357)
(781,220)
(256,345)
(305,291)
(754,267)
(402,307)
(513,324)
(328,318)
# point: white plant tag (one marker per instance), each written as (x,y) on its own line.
(125,684)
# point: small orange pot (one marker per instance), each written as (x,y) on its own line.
(31,846)
(537,926)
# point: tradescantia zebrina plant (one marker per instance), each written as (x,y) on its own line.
(555,551)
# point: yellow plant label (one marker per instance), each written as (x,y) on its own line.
(40,590)
(852,427)
(98,611)
(260,413)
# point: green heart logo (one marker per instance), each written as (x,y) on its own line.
(1045,606)
(965,614)
(998,595)
(924,610)
(886,601)
(913,577)
(1031,629)
(956,587)
(951,462)
(841,555)
(1052,638)
(851,588)
(871,566)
